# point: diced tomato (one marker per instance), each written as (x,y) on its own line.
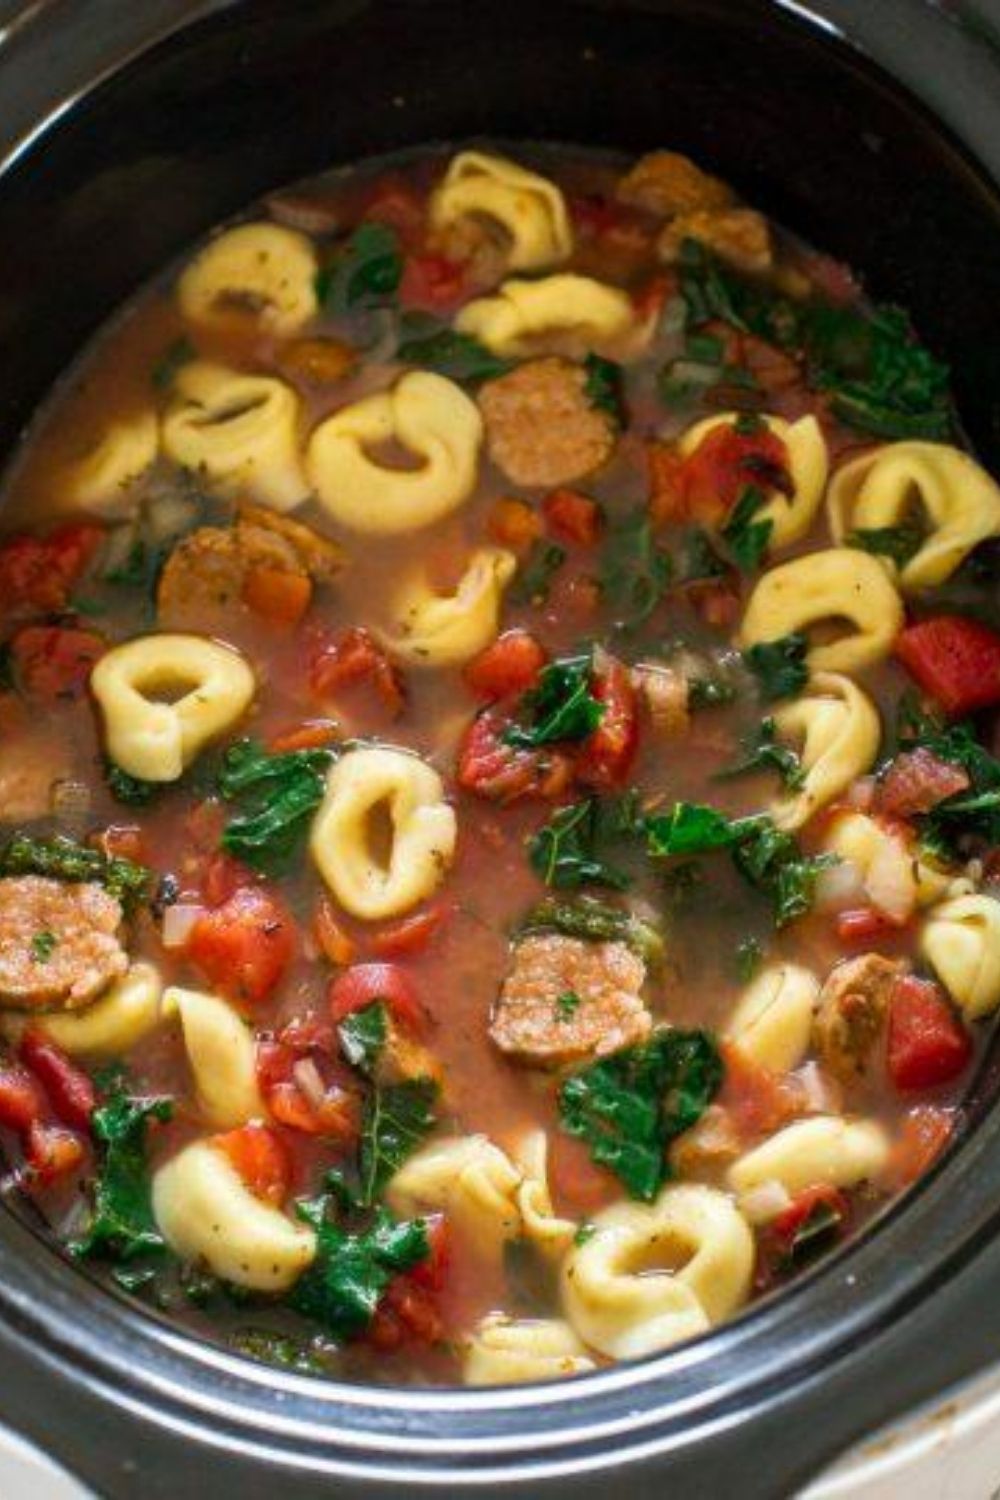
(578,1184)
(261,1158)
(406,1314)
(927,1044)
(725,462)
(607,754)
(956,661)
(121,841)
(21,1098)
(69,1088)
(572,517)
(304,1086)
(864,925)
(822,1198)
(650,299)
(277,595)
(432,1273)
(593,214)
(245,945)
(432,283)
(37,573)
(364,984)
(333,941)
(353,658)
(513,523)
(510,665)
(716,600)
(313,734)
(916,781)
(53,662)
(51,1152)
(667,500)
(222,876)
(925,1133)
(394,202)
(499,772)
(204,824)
(758,1101)
(410,935)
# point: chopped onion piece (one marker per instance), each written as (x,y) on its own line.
(177,924)
(70,800)
(765,1202)
(310,1081)
(840,887)
(821,1094)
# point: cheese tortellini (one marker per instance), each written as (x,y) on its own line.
(961,942)
(837,729)
(620,1290)
(365,783)
(205,1212)
(522,312)
(263,269)
(958,499)
(112,1025)
(895,878)
(513,1351)
(221,1053)
(772,1021)
(239,431)
(828,1149)
(444,630)
(529,208)
(838,586)
(433,419)
(163,698)
(790,515)
(540,1223)
(472,1180)
(106,477)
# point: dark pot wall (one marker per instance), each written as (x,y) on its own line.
(263,91)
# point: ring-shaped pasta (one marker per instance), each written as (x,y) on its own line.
(422,828)
(620,1301)
(105,478)
(516,1351)
(772,1021)
(838,730)
(239,432)
(262,269)
(826,1149)
(839,584)
(205,1212)
(529,208)
(961,942)
(808,465)
(442,630)
(512,321)
(211,686)
(895,877)
(540,1223)
(471,1180)
(430,417)
(222,1057)
(108,1028)
(957,497)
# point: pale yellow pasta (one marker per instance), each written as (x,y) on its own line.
(512,321)
(105,479)
(205,1212)
(221,1055)
(957,499)
(530,209)
(808,465)
(894,877)
(961,942)
(825,1149)
(108,1028)
(772,1020)
(365,783)
(540,1223)
(265,269)
(839,585)
(443,630)
(163,698)
(240,433)
(837,730)
(514,1351)
(468,1178)
(434,420)
(648,1277)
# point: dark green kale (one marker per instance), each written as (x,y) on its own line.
(596,922)
(121,1224)
(779,666)
(431,345)
(898,543)
(603,387)
(571,848)
(763,751)
(634,571)
(278,794)
(561,707)
(535,574)
(61,858)
(746,537)
(365,272)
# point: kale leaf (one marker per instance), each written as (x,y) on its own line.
(746,537)
(595,922)
(898,543)
(131,790)
(122,1223)
(434,346)
(569,850)
(603,387)
(561,707)
(343,1286)
(279,794)
(630,1106)
(362,1036)
(763,751)
(779,666)
(688,828)
(971,815)
(635,573)
(535,574)
(364,274)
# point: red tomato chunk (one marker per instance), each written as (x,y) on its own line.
(244,946)
(927,1044)
(956,661)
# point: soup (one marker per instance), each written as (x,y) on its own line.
(500,816)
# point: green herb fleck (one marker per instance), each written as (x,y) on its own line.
(898,543)
(763,751)
(43,945)
(567,1005)
(603,387)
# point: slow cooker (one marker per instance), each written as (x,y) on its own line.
(127,130)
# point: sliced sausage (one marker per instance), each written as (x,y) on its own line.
(566,999)
(541,428)
(666,183)
(59,944)
(209,568)
(739,236)
(851,1013)
(322,558)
